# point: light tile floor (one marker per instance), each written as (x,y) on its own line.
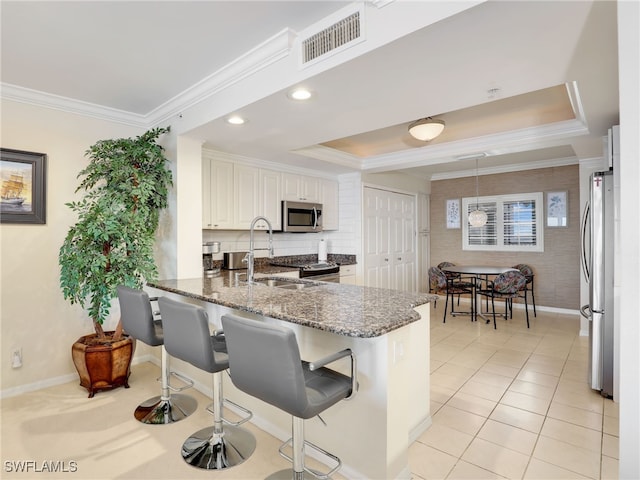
(514,403)
(506,403)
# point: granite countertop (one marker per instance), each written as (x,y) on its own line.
(343,309)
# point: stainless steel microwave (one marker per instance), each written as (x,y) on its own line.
(301,217)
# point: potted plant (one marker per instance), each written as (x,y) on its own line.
(126,185)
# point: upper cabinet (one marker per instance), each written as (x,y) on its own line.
(329,198)
(270,198)
(300,188)
(303,188)
(217,194)
(233,194)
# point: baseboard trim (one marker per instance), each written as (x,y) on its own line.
(70,377)
(539,308)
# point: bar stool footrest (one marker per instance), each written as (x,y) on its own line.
(248,413)
(322,476)
(186,380)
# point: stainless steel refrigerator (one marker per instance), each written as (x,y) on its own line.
(597,262)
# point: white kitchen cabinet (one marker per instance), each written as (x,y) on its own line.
(300,188)
(329,198)
(234,194)
(246,196)
(217,194)
(348,274)
(270,199)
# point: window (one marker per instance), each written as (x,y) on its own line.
(514,223)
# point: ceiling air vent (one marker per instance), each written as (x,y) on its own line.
(338,34)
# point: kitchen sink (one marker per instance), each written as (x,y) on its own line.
(286,284)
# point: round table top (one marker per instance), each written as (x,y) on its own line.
(477,269)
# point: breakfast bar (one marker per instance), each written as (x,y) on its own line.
(388,331)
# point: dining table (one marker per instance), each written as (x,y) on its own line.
(478,272)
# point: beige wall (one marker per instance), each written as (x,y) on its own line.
(34,316)
(557,269)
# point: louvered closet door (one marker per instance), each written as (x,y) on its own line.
(390,250)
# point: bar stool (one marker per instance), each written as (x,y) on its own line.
(139,322)
(188,338)
(265,362)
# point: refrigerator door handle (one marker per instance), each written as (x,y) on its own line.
(585,255)
(585,311)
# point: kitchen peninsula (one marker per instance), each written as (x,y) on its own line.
(388,331)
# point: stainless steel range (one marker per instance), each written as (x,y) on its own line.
(324,272)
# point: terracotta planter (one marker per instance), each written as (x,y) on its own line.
(103,366)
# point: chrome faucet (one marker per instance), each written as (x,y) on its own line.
(248,258)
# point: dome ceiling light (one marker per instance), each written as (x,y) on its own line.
(426,129)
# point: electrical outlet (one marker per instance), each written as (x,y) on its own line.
(16,358)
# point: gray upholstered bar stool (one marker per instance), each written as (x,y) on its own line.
(138,321)
(187,337)
(264,361)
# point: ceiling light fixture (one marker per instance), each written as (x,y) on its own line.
(300,94)
(426,129)
(477,218)
(235,120)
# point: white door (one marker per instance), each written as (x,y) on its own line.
(389,240)
(376,239)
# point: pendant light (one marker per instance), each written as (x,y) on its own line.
(477,218)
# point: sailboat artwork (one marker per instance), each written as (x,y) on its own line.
(12,190)
(15,187)
(23,187)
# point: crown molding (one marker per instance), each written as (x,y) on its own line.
(555,162)
(268,52)
(212,153)
(69,105)
(593,162)
(331,155)
(258,58)
(495,144)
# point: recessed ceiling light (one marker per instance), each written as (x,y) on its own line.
(235,120)
(300,94)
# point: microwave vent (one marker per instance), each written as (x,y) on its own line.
(340,33)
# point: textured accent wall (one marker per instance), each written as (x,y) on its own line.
(557,269)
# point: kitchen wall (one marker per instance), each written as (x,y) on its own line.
(35,317)
(557,269)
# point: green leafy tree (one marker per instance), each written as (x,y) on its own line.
(126,183)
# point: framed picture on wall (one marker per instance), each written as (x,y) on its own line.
(453,213)
(557,209)
(23,185)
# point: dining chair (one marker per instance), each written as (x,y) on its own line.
(527,271)
(443,265)
(469,282)
(507,286)
(440,284)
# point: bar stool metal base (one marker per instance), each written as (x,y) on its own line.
(205,450)
(156,411)
(289,474)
